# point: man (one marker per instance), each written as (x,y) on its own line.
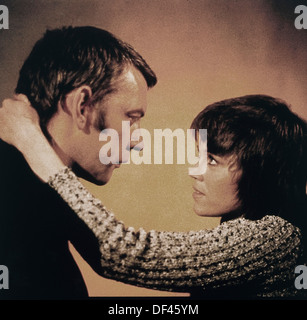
(80,80)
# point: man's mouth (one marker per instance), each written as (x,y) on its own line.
(197,192)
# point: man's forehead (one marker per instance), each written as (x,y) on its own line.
(129,91)
(130,79)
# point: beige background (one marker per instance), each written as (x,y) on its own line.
(202,51)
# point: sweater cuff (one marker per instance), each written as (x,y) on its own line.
(61,177)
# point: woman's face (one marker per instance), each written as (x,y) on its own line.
(215,191)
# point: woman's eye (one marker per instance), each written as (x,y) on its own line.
(211,160)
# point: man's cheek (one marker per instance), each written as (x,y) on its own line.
(109,153)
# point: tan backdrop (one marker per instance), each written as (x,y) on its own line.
(202,51)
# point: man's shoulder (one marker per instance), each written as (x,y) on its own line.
(9,153)
(13,166)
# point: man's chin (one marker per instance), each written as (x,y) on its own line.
(98,182)
(83,174)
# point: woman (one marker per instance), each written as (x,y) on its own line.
(255,181)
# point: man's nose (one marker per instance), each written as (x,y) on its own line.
(137,145)
(197,177)
(136,140)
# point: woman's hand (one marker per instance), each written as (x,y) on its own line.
(19,126)
(18,122)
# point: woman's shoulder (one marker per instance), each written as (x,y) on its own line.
(271,229)
(266,223)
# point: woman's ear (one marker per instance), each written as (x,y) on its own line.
(78,102)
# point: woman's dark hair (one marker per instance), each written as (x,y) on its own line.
(269,142)
(67,58)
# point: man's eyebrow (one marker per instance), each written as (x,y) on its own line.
(139,112)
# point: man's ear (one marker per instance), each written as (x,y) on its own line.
(78,104)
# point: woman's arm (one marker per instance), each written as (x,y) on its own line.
(229,255)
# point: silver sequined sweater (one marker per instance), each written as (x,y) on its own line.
(255,258)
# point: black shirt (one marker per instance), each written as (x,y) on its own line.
(35,227)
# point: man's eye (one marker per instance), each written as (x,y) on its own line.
(211,160)
(132,117)
(133,120)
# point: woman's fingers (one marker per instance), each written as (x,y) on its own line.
(22,97)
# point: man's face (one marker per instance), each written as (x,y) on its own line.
(128,102)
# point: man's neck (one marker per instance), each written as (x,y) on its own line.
(61,154)
(56,131)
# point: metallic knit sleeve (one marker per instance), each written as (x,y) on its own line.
(235,252)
